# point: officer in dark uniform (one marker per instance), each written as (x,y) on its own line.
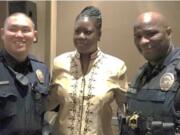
(24,81)
(153,99)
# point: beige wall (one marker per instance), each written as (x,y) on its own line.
(3,14)
(118,18)
(41,48)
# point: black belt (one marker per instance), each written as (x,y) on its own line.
(147,125)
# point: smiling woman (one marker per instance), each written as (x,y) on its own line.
(83,85)
(86,35)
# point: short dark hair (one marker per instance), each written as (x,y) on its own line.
(18,14)
(92,11)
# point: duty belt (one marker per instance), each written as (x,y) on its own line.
(136,121)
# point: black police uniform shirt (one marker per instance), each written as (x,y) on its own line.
(153,95)
(23,95)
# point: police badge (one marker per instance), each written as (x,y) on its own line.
(40,75)
(133,121)
(166,81)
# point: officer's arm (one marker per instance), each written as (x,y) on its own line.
(177,99)
(53,96)
(177,111)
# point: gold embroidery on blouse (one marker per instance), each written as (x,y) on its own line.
(77,112)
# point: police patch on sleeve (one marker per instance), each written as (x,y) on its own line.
(40,75)
(166,81)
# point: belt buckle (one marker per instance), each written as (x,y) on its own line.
(133,121)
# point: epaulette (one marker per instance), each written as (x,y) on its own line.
(143,66)
(34,59)
(177,60)
(138,75)
(177,65)
(177,68)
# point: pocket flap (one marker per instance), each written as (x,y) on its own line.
(152,95)
(7,90)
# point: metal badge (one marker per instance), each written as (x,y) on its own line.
(40,75)
(166,81)
(133,121)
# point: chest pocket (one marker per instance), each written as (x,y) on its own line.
(8,100)
(39,94)
(152,95)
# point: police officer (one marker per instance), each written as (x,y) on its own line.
(153,99)
(23,79)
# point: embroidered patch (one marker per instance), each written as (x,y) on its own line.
(166,81)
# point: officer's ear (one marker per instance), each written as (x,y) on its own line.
(2,33)
(99,35)
(169,31)
(35,36)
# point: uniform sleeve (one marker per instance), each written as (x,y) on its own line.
(177,109)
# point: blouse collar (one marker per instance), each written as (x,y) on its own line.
(94,55)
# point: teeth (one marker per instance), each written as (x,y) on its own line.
(19,42)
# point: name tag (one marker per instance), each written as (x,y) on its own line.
(4,82)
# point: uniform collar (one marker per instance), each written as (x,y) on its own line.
(172,56)
(14,64)
(94,55)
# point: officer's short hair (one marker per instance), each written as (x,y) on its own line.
(17,14)
(94,12)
